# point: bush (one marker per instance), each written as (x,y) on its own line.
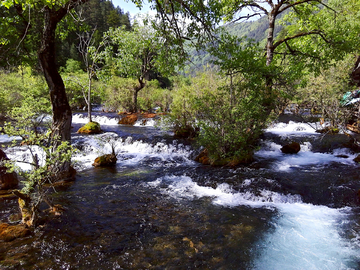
(21,87)
(76,84)
(323,93)
(231,121)
(119,92)
(45,160)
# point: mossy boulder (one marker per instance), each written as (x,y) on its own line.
(292,148)
(105,161)
(90,128)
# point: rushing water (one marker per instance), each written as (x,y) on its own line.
(158,209)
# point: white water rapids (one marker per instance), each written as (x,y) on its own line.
(305,236)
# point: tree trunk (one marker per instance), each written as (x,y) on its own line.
(62,115)
(141,85)
(89,97)
(60,106)
(270,39)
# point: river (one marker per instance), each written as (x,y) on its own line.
(158,209)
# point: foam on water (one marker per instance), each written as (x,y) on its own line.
(102,120)
(305,157)
(292,128)
(6,139)
(147,123)
(305,237)
(23,155)
(130,152)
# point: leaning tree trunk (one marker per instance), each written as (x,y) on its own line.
(62,115)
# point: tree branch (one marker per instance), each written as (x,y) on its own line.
(313,32)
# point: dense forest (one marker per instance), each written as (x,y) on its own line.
(298,54)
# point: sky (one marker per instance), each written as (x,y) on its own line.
(128,6)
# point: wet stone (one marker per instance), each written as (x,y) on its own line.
(10,232)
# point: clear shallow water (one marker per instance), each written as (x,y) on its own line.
(158,209)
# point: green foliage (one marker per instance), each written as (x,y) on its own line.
(138,52)
(117,94)
(323,93)
(45,161)
(72,66)
(185,94)
(154,96)
(76,85)
(334,33)
(20,88)
(231,130)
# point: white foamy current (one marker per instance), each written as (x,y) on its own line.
(130,152)
(306,236)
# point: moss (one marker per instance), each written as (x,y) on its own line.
(105,160)
(90,128)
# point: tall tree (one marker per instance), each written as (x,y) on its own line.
(140,54)
(52,13)
(91,56)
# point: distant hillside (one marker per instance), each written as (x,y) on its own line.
(256,30)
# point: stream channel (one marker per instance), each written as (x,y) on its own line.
(159,209)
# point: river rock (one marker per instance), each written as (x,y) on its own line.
(291,148)
(186,132)
(105,161)
(203,157)
(357,159)
(7,180)
(128,120)
(10,232)
(90,128)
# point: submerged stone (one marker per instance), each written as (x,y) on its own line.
(292,148)
(90,128)
(357,159)
(11,232)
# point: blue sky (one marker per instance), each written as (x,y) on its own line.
(128,6)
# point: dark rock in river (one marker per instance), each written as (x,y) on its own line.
(203,157)
(291,148)
(186,132)
(357,159)
(7,180)
(105,161)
